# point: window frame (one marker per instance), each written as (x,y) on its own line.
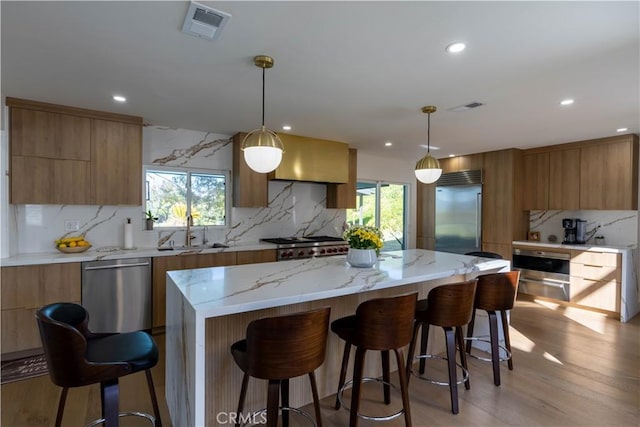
(189,171)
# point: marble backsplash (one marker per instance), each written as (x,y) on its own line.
(619,228)
(295,208)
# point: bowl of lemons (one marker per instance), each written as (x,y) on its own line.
(72,245)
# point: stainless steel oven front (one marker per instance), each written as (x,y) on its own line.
(543,273)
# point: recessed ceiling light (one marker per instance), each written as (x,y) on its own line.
(119,98)
(622,130)
(286,127)
(432,147)
(388,144)
(566,102)
(456,47)
(452,155)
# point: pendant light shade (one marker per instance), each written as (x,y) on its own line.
(428,168)
(262,148)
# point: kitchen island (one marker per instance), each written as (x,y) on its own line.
(209,309)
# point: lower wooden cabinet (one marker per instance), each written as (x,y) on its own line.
(255,257)
(27,288)
(596,279)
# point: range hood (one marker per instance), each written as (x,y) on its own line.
(312,160)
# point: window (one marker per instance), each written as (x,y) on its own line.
(174,193)
(383,205)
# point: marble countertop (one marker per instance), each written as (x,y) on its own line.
(56,257)
(586,247)
(219,291)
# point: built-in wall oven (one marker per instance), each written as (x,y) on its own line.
(543,273)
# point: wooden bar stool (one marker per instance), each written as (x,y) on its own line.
(77,357)
(495,293)
(447,306)
(382,324)
(280,348)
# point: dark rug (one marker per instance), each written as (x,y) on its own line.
(22,369)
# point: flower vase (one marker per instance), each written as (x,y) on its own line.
(362,257)
(149,224)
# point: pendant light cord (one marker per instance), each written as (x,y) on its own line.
(428,133)
(262,96)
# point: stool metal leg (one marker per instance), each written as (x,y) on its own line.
(463,355)
(284,393)
(243,394)
(507,340)
(412,350)
(316,400)
(63,399)
(357,382)
(386,377)
(273,398)
(424,339)
(470,329)
(451,362)
(109,394)
(154,399)
(495,355)
(343,370)
(404,386)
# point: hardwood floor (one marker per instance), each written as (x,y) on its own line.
(571,368)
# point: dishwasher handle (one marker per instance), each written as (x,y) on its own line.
(104,267)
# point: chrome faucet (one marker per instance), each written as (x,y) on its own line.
(188,236)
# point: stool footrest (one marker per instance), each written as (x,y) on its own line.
(285,408)
(367,417)
(488,359)
(465,372)
(151,418)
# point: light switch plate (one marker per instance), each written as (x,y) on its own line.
(71,225)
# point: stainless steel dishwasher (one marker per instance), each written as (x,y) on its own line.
(117,294)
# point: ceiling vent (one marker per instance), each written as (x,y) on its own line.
(204,22)
(469,106)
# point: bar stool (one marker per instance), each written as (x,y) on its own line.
(77,357)
(484,254)
(280,348)
(382,324)
(495,293)
(448,306)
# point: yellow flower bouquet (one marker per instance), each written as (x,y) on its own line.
(364,237)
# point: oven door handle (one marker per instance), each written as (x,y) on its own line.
(546,282)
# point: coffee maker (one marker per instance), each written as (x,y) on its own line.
(575,231)
(569,225)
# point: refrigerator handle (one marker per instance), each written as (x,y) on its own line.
(478,219)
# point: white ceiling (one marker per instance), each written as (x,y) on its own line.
(357,72)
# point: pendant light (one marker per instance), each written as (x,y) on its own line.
(428,168)
(262,148)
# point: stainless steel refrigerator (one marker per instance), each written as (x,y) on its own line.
(459,212)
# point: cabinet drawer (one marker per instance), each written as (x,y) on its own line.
(596,272)
(596,258)
(19,330)
(601,294)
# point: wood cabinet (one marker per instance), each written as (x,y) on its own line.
(596,279)
(180,262)
(564,179)
(67,155)
(255,257)
(503,219)
(116,162)
(343,196)
(536,181)
(27,288)
(609,174)
(250,189)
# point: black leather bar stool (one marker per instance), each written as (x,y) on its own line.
(280,348)
(496,293)
(448,306)
(382,324)
(77,357)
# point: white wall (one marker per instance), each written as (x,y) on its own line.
(375,168)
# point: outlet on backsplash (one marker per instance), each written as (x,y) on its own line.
(71,225)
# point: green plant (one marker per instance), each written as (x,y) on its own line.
(364,237)
(150,216)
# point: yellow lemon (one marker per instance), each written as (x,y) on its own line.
(72,244)
(62,245)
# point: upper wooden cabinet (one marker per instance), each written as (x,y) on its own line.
(67,155)
(116,163)
(609,175)
(564,179)
(343,196)
(461,163)
(536,185)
